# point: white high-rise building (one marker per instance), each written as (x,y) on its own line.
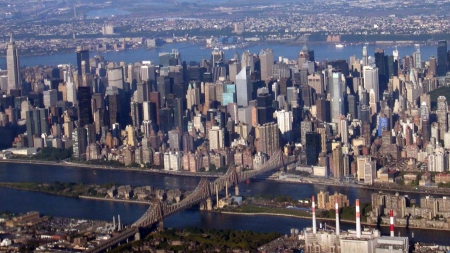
(244,87)
(71,91)
(216,138)
(365,56)
(193,95)
(371,81)
(115,77)
(284,120)
(50,98)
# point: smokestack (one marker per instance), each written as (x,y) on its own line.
(391,220)
(114,223)
(118,221)
(338,229)
(358,220)
(314,215)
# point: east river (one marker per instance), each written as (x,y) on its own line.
(24,201)
(190,52)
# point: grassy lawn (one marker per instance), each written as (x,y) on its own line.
(274,210)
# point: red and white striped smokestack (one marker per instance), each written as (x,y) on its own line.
(391,220)
(336,205)
(314,215)
(358,220)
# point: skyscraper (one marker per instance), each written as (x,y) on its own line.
(442,58)
(381,63)
(441,112)
(83,62)
(365,56)
(337,101)
(266,62)
(84,106)
(13,66)
(269,138)
(244,87)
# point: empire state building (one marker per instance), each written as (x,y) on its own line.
(13,66)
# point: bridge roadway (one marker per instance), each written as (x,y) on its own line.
(205,189)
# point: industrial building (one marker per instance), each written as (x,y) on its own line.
(368,240)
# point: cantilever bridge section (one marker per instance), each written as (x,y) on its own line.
(204,190)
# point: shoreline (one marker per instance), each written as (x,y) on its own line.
(115,200)
(326,219)
(78,197)
(367,187)
(103,167)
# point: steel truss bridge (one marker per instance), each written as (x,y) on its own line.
(205,190)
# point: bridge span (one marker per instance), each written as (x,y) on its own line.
(158,211)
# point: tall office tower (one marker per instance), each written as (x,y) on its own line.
(174,140)
(36,124)
(305,127)
(229,94)
(113,101)
(233,70)
(141,93)
(442,58)
(424,110)
(192,95)
(217,56)
(79,137)
(136,114)
(264,107)
(441,112)
(371,84)
(315,80)
(216,138)
(70,86)
(178,115)
(351,106)
(115,77)
(83,62)
(322,110)
(343,127)
(169,59)
(365,57)
(417,57)
(13,66)
(396,54)
(266,63)
(155,99)
(248,61)
(147,73)
(50,98)
(165,119)
(164,85)
(244,87)
(284,120)
(307,94)
(380,63)
(337,97)
(269,138)
(84,106)
(392,66)
(305,55)
(432,67)
(312,148)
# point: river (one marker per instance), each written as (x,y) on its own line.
(23,201)
(190,52)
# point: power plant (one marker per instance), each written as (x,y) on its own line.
(368,240)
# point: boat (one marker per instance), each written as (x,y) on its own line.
(339,46)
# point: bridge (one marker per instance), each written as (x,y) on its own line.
(204,190)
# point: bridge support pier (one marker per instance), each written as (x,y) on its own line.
(236,190)
(161,225)
(217,197)
(209,205)
(137,236)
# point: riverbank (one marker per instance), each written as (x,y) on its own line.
(115,200)
(325,219)
(103,167)
(379,187)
